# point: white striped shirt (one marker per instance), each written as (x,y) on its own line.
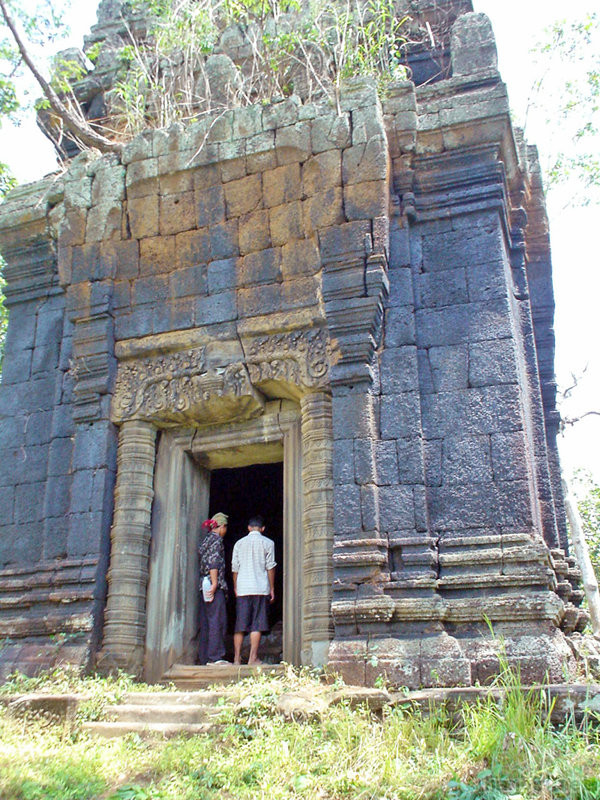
(252,557)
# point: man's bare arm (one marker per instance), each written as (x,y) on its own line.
(271,573)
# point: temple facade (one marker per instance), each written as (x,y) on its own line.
(360,294)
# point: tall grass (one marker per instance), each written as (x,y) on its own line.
(487,751)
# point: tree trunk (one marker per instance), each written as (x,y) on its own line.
(78,127)
(582,554)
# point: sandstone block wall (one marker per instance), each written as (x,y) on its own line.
(404,239)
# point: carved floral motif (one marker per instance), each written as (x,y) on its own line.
(181,386)
(175,385)
(301,358)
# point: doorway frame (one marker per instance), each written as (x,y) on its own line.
(169,621)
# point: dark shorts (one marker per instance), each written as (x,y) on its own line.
(252,613)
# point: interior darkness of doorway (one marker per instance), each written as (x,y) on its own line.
(242,492)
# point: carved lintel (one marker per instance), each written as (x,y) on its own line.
(179,388)
(300,358)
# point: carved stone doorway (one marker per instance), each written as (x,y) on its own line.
(242,492)
(185,460)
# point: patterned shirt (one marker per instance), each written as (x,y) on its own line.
(252,557)
(211,552)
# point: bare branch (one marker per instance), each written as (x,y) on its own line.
(79,128)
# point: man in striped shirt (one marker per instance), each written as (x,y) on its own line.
(253,567)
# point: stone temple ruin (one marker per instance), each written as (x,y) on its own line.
(344,312)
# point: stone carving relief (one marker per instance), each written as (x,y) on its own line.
(183,387)
(180,388)
(300,358)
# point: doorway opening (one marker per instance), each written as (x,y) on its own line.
(242,492)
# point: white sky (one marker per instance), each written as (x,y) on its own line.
(518,25)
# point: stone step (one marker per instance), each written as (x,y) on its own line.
(164,713)
(190,676)
(173,698)
(148,729)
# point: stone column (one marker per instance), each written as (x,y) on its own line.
(317,476)
(125,615)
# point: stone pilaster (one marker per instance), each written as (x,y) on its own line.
(317,475)
(125,616)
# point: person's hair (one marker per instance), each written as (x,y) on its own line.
(256,522)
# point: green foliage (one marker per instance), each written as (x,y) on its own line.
(164,80)
(568,94)
(42,23)
(587,492)
(487,751)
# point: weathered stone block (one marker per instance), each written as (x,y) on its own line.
(293,143)
(466,459)
(286,223)
(157,255)
(489,409)
(330,132)
(400,415)
(365,162)
(473,45)
(224,240)
(254,232)
(177,212)
(468,245)
(29,506)
(278,115)
(17,367)
(509,457)
(445,288)
(300,257)
(84,537)
(449,367)
(247,121)
(141,178)
(7,503)
(94,447)
(55,537)
(470,322)
(120,259)
(321,172)
(410,466)
(343,461)
(369,507)
(364,462)
(187,282)
(353,414)
(105,222)
(143,216)
(366,123)
(492,362)
(398,367)
(341,240)
(216,308)
(58,496)
(396,508)
(346,508)
(262,267)
(153,289)
(282,185)
(210,206)
(60,453)
(323,210)
(366,200)
(221,275)
(243,195)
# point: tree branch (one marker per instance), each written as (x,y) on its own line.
(79,128)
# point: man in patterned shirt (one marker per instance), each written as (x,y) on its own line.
(213,610)
(253,567)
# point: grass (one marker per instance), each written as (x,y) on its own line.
(485,752)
